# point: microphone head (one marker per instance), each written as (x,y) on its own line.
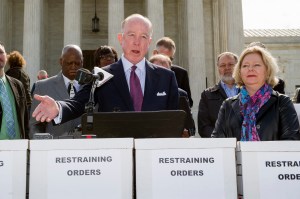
(101,76)
(84,76)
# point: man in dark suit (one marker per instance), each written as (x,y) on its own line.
(71,60)
(213,97)
(137,84)
(15,125)
(165,61)
(166,46)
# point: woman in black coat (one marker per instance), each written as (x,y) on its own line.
(258,113)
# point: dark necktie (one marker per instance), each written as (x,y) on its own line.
(135,90)
(71,89)
(7,110)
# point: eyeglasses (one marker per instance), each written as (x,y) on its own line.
(107,57)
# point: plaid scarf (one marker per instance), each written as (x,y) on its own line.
(249,107)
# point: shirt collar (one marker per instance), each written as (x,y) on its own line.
(127,64)
(67,80)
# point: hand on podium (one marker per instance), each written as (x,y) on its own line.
(47,110)
(185,133)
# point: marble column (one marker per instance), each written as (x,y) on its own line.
(115,18)
(228,26)
(235,26)
(33,43)
(5,17)
(155,12)
(196,50)
(72,22)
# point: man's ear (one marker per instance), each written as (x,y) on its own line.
(120,38)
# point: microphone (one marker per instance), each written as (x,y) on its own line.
(84,76)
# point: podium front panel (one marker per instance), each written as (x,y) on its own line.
(269,169)
(86,168)
(185,168)
(13,156)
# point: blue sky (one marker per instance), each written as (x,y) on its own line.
(268,14)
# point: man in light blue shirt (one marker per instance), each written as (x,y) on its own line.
(213,97)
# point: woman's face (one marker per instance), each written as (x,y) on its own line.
(253,71)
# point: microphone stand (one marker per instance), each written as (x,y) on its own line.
(89,107)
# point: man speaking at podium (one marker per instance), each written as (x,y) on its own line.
(137,85)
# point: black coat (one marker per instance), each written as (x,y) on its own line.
(276,119)
(209,106)
(182,79)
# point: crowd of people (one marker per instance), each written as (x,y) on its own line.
(247,103)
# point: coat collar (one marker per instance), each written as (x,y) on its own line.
(236,107)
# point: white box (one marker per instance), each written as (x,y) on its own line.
(13,156)
(81,168)
(181,168)
(270,169)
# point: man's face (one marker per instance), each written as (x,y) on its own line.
(3,57)
(135,40)
(225,66)
(70,63)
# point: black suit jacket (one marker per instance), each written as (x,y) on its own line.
(182,78)
(210,103)
(21,106)
(161,93)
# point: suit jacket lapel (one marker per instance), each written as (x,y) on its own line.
(61,87)
(152,78)
(120,82)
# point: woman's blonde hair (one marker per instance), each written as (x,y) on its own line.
(269,61)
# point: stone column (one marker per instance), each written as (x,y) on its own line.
(235,26)
(33,43)
(115,18)
(72,22)
(5,18)
(196,50)
(155,12)
(230,23)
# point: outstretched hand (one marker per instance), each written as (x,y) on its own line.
(47,110)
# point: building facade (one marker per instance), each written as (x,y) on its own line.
(201,30)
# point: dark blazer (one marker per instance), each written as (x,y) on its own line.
(209,106)
(182,78)
(21,75)
(184,105)
(20,103)
(276,119)
(161,92)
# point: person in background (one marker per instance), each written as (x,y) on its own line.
(137,85)
(213,97)
(42,74)
(257,113)
(16,70)
(281,84)
(59,87)
(13,109)
(105,55)
(166,46)
(165,61)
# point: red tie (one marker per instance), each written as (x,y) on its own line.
(135,90)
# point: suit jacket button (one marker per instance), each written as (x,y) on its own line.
(258,126)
